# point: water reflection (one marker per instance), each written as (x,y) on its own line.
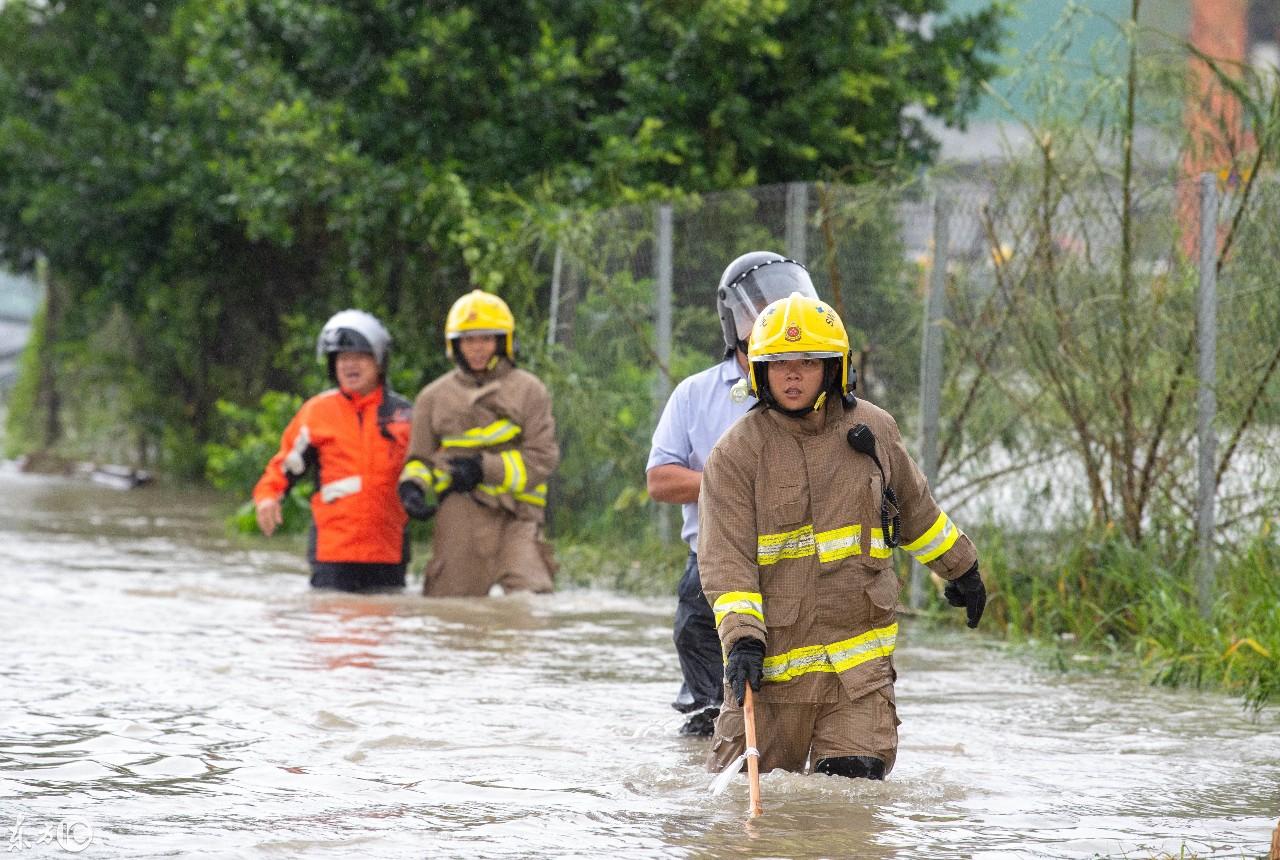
(189,694)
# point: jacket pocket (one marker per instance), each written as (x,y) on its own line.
(882,597)
(788,505)
(780,611)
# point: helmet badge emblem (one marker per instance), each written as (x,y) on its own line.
(792,333)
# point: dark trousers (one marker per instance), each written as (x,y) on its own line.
(697,645)
(353,576)
(356,576)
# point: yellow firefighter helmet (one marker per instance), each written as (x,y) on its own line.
(798,326)
(479,312)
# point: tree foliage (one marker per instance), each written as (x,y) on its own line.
(215,170)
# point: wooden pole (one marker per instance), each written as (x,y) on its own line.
(753,752)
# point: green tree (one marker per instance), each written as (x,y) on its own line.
(226,173)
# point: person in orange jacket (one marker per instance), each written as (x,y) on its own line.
(355,436)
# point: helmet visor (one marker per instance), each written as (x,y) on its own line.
(795,356)
(344,340)
(759,287)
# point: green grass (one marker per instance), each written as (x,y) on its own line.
(1104,598)
(644,567)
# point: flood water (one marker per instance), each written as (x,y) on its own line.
(167,690)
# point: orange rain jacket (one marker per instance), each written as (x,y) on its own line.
(358,444)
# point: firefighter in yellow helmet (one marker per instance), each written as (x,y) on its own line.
(482,447)
(803,501)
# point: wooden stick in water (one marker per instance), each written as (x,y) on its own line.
(753,752)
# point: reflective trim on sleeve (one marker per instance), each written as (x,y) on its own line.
(879,549)
(514,475)
(341,488)
(938,539)
(739,602)
(537,498)
(441,480)
(492,434)
(417,469)
(514,480)
(839,543)
(794,544)
(294,464)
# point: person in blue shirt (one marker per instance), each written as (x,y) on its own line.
(699,410)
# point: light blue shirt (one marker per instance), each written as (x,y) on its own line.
(696,415)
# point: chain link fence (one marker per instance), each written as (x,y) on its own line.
(1055,323)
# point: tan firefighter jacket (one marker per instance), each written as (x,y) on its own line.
(792,551)
(505,418)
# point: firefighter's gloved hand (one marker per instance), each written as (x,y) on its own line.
(745,666)
(465,473)
(969,592)
(414,501)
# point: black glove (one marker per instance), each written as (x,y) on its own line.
(969,592)
(414,501)
(745,666)
(465,473)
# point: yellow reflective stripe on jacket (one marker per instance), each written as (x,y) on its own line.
(876,642)
(513,475)
(417,469)
(794,544)
(938,539)
(515,478)
(739,602)
(839,543)
(796,662)
(879,549)
(441,480)
(537,498)
(492,434)
(836,657)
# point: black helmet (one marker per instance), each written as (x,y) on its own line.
(749,284)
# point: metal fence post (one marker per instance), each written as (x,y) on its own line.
(553,316)
(931,372)
(797,219)
(1206,397)
(662,336)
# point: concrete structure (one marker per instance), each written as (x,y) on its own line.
(19,300)
(1237,31)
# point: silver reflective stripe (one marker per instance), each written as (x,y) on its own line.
(940,537)
(293,462)
(879,642)
(793,544)
(839,543)
(801,661)
(340,488)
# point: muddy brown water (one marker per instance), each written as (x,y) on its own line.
(170,691)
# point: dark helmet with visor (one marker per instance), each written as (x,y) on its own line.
(749,284)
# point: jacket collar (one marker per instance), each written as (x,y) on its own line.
(479,380)
(363,401)
(812,423)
